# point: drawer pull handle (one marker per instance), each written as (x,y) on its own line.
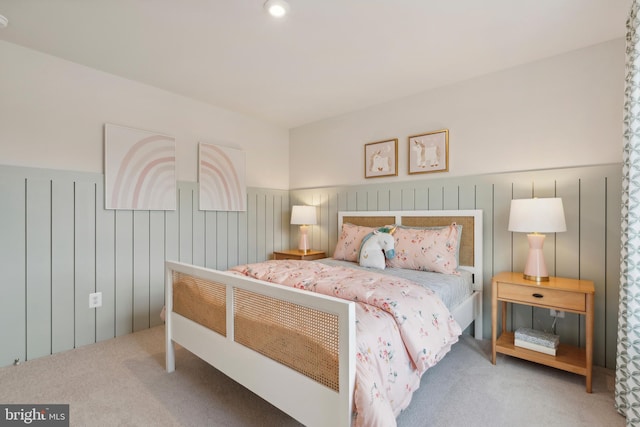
(537,295)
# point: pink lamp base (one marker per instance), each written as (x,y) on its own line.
(535,268)
(303,243)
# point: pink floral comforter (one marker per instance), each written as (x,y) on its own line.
(402,330)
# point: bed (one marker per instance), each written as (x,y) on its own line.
(294,348)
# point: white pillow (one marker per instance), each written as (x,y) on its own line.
(371,251)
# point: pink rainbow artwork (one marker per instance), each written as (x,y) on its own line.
(140,169)
(221,174)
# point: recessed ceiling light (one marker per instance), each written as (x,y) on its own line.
(277,8)
(3,21)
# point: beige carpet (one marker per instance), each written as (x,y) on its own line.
(122,382)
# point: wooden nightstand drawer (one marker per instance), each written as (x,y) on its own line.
(286,256)
(541,296)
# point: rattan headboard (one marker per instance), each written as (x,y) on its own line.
(471,221)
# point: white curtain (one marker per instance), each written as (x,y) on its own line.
(627,390)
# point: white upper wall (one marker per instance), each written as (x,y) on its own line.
(52,115)
(559,112)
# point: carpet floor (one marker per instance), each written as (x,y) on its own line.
(122,382)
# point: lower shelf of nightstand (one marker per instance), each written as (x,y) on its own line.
(568,358)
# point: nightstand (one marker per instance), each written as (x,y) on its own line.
(575,296)
(298,254)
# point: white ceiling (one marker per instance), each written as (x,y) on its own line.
(327,57)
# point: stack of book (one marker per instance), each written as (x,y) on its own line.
(531,339)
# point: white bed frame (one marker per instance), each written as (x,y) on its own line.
(470,310)
(280,385)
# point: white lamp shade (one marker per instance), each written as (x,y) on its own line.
(303,215)
(537,215)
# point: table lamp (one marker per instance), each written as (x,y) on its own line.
(304,216)
(536,216)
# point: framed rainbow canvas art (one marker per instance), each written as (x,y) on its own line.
(221,175)
(140,169)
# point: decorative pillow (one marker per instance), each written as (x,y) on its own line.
(427,249)
(441,227)
(349,241)
(376,246)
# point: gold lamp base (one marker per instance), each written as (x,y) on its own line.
(536,278)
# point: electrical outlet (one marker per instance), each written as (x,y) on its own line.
(556,313)
(95,300)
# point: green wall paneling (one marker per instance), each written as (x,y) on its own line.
(589,249)
(13,309)
(62,265)
(85,260)
(124,272)
(58,244)
(141,271)
(105,268)
(157,238)
(38,266)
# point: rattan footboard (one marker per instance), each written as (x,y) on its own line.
(200,300)
(302,338)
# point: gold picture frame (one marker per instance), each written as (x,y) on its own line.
(381,158)
(429,152)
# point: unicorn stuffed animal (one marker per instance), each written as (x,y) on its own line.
(375,247)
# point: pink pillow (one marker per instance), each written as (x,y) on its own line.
(426,249)
(349,241)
